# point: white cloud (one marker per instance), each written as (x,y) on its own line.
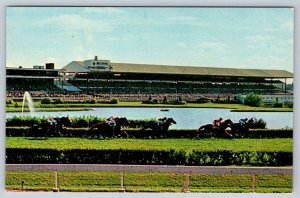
(182,18)
(51,59)
(118,39)
(274,62)
(67,21)
(104,10)
(259,38)
(212,46)
(288,25)
(182,45)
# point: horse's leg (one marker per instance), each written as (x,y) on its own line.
(226,133)
(124,134)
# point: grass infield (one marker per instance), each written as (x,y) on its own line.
(275,144)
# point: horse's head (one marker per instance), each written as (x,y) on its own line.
(122,121)
(250,121)
(66,121)
(171,121)
(227,122)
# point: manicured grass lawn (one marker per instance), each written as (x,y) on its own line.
(149,182)
(276,144)
(146,182)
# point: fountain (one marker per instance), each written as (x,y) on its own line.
(27,97)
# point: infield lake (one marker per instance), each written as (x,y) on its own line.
(186,118)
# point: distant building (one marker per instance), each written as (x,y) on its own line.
(38,67)
(89,65)
(273,98)
(49,65)
(277,98)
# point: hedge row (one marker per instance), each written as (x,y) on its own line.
(30,121)
(155,157)
(77,122)
(172,133)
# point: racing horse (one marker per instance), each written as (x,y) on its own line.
(161,126)
(240,130)
(51,128)
(109,130)
(220,130)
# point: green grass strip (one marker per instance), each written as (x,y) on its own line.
(146,182)
(270,145)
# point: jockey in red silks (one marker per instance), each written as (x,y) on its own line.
(217,122)
(51,120)
(112,120)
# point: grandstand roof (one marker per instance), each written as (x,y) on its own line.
(76,66)
(187,70)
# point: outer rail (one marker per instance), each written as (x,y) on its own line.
(187,170)
(150,168)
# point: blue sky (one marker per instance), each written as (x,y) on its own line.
(213,37)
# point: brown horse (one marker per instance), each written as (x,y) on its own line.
(109,130)
(51,128)
(160,126)
(221,130)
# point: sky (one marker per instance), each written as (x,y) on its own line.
(258,38)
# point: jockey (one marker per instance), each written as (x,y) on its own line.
(57,118)
(112,120)
(218,121)
(161,120)
(243,121)
(51,121)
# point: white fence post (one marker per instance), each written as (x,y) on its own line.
(185,187)
(55,189)
(122,189)
(253,183)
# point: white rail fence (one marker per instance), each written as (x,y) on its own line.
(187,170)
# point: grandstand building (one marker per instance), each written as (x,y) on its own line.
(102,78)
(31,79)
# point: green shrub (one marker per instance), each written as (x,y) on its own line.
(58,101)
(277,104)
(16,105)
(152,101)
(176,102)
(81,129)
(153,156)
(93,101)
(253,100)
(9,101)
(114,101)
(288,104)
(23,121)
(261,124)
(203,100)
(46,100)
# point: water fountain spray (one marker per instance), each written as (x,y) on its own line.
(27,97)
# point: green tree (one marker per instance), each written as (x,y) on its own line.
(46,100)
(253,100)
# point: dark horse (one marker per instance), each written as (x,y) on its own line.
(109,130)
(221,130)
(161,126)
(240,130)
(51,128)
